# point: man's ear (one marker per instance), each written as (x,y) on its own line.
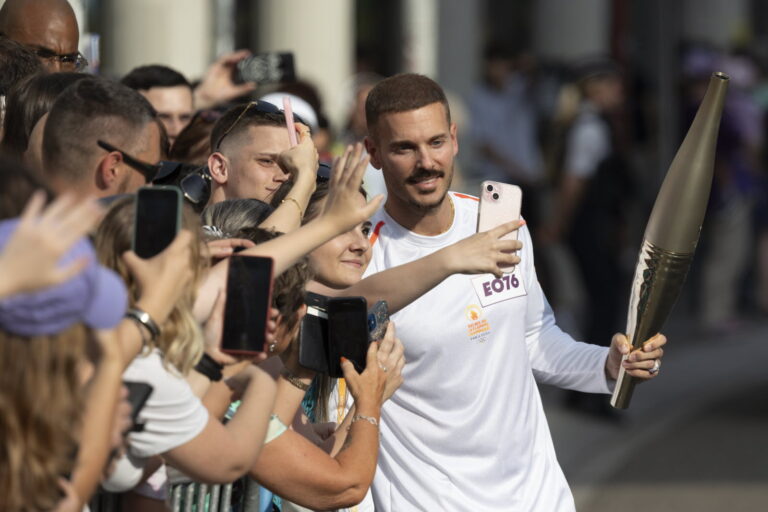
(373,152)
(218,165)
(454,139)
(108,171)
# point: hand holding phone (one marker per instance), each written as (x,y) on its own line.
(347,333)
(246,310)
(499,203)
(157,219)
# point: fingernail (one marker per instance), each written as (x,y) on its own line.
(343,359)
(523,222)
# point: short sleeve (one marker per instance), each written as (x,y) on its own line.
(588,145)
(172,416)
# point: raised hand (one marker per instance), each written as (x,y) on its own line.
(302,159)
(29,261)
(343,206)
(217,85)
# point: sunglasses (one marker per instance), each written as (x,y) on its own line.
(149,171)
(195,186)
(263,107)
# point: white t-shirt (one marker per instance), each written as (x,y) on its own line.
(466,430)
(172,416)
(588,144)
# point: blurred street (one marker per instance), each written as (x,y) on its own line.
(695,439)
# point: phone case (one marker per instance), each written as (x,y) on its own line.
(156,220)
(313,334)
(347,333)
(378,320)
(246,310)
(264,68)
(138,394)
(499,203)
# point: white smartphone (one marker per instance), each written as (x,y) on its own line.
(499,203)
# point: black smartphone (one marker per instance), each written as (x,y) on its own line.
(347,333)
(378,320)
(265,68)
(157,219)
(138,394)
(313,334)
(246,309)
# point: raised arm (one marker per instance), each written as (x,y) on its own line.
(478,254)
(301,163)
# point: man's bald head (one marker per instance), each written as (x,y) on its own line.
(48,27)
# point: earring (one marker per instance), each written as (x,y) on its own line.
(272,346)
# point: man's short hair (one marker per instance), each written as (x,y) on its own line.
(237,120)
(402,93)
(16,63)
(144,78)
(92,109)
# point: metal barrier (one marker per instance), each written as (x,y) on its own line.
(240,496)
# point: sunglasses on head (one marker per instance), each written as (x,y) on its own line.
(254,106)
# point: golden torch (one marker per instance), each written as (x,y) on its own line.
(673,230)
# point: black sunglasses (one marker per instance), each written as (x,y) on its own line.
(194,181)
(149,171)
(254,106)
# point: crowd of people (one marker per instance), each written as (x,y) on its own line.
(444,415)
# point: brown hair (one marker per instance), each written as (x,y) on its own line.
(181,340)
(237,120)
(41,402)
(401,93)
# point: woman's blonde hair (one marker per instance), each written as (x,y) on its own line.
(181,339)
(41,402)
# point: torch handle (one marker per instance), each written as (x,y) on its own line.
(659,277)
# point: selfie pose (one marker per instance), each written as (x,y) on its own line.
(450,440)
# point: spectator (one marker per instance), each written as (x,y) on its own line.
(96,109)
(168,92)
(16,63)
(28,101)
(48,28)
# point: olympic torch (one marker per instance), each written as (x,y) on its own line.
(673,230)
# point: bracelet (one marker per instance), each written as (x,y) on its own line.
(370,419)
(142,332)
(287,375)
(301,210)
(209,367)
(144,319)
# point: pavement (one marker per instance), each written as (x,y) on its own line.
(695,438)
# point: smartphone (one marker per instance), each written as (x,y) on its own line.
(157,219)
(138,394)
(499,203)
(378,320)
(313,334)
(347,333)
(264,68)
(246,309)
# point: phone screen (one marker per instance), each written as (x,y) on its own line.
(313,336)
(157,219)
(246,310)
(347,333)
(265,68)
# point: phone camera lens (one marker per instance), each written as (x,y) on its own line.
(489,188)
(495,195)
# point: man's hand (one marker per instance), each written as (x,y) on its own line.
(641,363)
(217,85)
(302,159)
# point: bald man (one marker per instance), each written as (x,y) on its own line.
(48,28)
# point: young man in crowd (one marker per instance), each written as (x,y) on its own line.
(168,91)
(48,28)
(466,430)
(93,110)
